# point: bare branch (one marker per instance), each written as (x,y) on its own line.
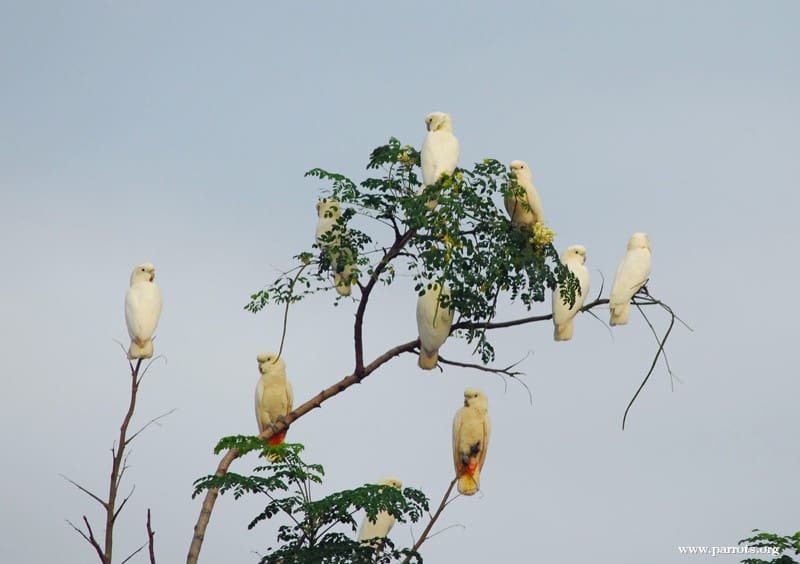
(388,256)
(147,366)
(286,309)
(89,538)
(124,501)
(84,490)
(134,553)
(506,371)
(426,532)
(154,420)
(440,531)
(659,352)
(521,321)
(150,539)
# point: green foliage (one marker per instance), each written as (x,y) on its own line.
(780,544)
(313,533)
(466,241)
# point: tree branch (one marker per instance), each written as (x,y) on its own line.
(134,553)
(358,335)
(87,492)
(280,426)
(355,378)
(521,321)
(426,532)
(89,538)
(499,371)
(150,539)
(650,300)
(151,422)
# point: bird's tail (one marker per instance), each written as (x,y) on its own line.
(469,483)
(274,440)
(277,438)
(427,360)
(620,314)
(144,350)
(563,332)
(342,282)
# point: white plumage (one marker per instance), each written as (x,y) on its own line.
(433,324)
(524,211)
(632,273)
(142,310)
(440,150)
(563,315)
(329,212)
(274,397)
(471,430)
(383,521)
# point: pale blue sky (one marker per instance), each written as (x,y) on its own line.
(179,134)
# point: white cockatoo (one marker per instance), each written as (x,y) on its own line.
(433,324)
(274,397)
(383,521)
(575,259)
(528,210)
(440,151)
(471,429)
(142,310)
(632,273)
(329,212)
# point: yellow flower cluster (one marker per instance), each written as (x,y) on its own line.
(542,235)
(405,158)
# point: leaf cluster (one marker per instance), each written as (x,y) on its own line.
(783,544)
(465,241)
(313,529)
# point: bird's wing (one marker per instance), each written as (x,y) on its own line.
(259,395)
(487,430)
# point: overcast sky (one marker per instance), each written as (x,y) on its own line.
(178,133)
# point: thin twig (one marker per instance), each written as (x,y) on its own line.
(286,309)
(134,553)
(506,371)
(650,371)
(124,501)
(89,538)
(151,422)
(84,490)
(424,536)
(655,335)
(440,531)
(150,539)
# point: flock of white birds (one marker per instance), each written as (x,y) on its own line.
(471,426)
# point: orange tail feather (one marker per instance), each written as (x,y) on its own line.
(277,439)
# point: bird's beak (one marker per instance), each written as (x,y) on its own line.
(152,276)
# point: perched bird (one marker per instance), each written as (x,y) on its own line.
(528,210)
(383,521)
(632,273)
(440,151)
(329,212)
(471,429)
(433,324)
(575,259)
(142,310)
(274,397)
